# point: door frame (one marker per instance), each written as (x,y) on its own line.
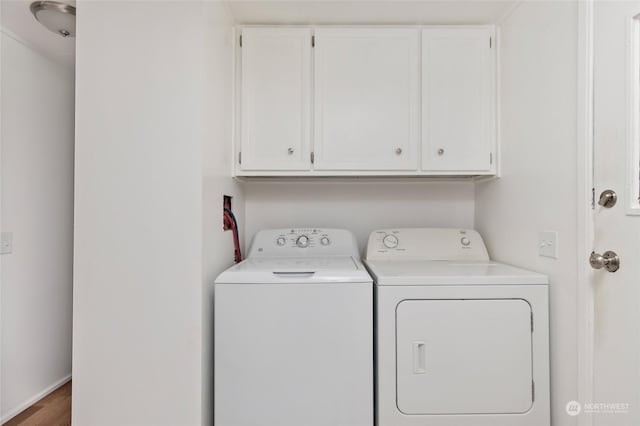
(584,207)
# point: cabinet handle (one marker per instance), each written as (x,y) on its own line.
(290,151)
(398,151)
(440,151)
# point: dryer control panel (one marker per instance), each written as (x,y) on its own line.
(308,242)
(426,244)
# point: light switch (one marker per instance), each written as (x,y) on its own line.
(548,244)
(6,242)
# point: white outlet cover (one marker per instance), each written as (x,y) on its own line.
(548,244)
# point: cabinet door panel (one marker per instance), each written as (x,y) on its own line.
(276,101)
(458,99)
(366,99)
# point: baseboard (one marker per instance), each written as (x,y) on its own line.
(20,408)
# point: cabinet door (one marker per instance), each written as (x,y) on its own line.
(366,99)
(458,99)
(275,99)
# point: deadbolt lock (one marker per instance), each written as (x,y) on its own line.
(608,198)
(609,261)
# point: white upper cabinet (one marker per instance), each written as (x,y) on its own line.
(458,100)
(275,130)
(366,99)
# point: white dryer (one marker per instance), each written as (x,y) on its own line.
(294,333)
(461,340)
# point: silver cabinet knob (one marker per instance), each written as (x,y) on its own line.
(608,199)
(290,151)
(609,261)
(440,151)
(398,151)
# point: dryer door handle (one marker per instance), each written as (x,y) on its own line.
(419,358)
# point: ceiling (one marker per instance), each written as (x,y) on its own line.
(380,12)
(18,20)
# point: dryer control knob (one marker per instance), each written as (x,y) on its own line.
(390,241)
(281,241)
(302,241)
(325,241)
(465,241)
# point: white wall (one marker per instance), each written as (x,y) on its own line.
(217,244)
(138,296)
(538,47)
(360,206)
(37,119)
(153,162)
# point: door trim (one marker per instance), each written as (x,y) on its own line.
(630,198)
(584,192)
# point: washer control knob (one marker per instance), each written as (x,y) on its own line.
(390,241)
(281,241)
(465,241)
(325,241)
(302,241)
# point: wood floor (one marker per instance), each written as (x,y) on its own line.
(52,410)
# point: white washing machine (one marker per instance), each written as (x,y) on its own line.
(294,333)
(461,340)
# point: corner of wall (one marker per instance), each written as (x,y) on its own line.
(536,192)
(217,249)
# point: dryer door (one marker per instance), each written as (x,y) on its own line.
(464,356)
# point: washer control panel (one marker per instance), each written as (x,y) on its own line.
(426,244)
(303,238)
(303,242)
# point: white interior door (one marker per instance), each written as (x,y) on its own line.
(616,334)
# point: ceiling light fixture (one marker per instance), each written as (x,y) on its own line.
(55,16)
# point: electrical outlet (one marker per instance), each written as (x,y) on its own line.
(548,244)
(6,242)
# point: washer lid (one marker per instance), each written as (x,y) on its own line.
(436,272)
(298,270)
